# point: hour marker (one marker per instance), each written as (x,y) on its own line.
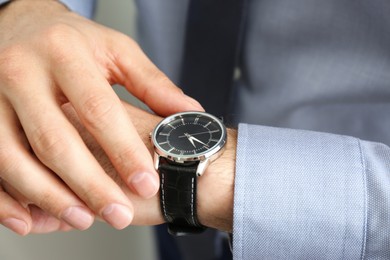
(206,125)
(164,143)
(214,140)
(181,152)
(171,126)
(170,150)
(182,120)
(163,134)
(196,120)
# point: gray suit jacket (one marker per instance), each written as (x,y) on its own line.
(313,65)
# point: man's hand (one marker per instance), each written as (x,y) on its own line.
(50,56)
(215,186)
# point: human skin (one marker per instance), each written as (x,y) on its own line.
(50,56)
(215,186)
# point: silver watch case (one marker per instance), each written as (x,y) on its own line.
(204,158)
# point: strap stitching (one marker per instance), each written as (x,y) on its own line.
(192,200)
(163,195)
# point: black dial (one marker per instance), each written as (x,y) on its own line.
(188,134)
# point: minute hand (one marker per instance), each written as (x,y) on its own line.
(206,132)
(190,137)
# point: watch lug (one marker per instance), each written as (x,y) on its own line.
(202,167)
(156,160)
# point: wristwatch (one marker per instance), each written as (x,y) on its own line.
(184,145)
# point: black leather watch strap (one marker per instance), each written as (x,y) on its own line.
(178,197)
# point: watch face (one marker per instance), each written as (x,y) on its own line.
(189,134)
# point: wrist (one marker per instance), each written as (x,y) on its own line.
(21,19)
(216,188)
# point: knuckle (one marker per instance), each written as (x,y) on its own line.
(98,111)
(131,43)
(159,79)
(49,201)
(48,143)
(125,40)
(12,64)
(156,75)
(8,206)
(60,34)
(123,158)
(60,40)
(94,195)
(162,79)
(9,163)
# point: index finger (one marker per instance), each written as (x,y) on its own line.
(103,115)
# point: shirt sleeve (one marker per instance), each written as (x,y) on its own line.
(83,7)
(309,195)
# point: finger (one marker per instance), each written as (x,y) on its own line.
(58,145)
(41,222)
(104,116)
(145,81)
(147,212)
(13,215)
(34,181)
(15,194)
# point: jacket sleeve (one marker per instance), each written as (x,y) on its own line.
(309,195)
(83,7)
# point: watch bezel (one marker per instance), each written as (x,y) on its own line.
(193,157)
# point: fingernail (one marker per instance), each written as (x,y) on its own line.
(78,217)
(118,216)
(146,184)
(16,225)
(194,103)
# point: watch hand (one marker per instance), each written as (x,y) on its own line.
(190,139)
(207,132)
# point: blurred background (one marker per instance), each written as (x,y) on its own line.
(100,242)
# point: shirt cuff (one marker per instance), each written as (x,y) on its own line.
(85,7)
(298,195)
(3,2)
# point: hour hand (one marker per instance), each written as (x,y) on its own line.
(190,138)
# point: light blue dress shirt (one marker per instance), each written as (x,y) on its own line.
(306,65)
(313,65)
(82,7)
